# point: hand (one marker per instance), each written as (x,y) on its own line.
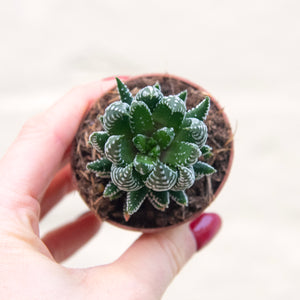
(35,175)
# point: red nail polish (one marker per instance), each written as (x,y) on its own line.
(204,228)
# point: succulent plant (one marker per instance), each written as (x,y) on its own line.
(150,147)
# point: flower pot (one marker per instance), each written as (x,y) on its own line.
(147,218)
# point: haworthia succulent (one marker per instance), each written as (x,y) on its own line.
(164,137)
(97,140)
(200,111)
(112,191)
(125,94)
(141,121)
(185,179)
(201,169)
(162,178)
(149,95)
(134,200)
(126,179)
(101,167)
(181,154)
(179,197)
(150,148)
(118,150)
(169,112)
(183,95)
(144,164)
(193,131)
(116,118)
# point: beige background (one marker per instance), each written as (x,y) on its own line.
(246,53)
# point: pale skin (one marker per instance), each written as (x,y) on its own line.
(35,175)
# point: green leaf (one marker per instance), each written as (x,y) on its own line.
(135,199)
(101,167)
(124,92)
(185,179)
(201,169)
(119,150)
(143,164)
(183,95)
(193,131)
(162,178)
(140,142)
(155,151)
(126,179)
(179,197)
(157,86)
(200,111)
(164,137)
(112,191)
(97,140)
(206,151)
(116,118)
(159,200)
(149,95)
(181,153)
(169,112)
(140,118)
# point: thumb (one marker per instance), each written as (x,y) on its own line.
(155,259)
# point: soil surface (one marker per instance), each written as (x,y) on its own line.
(201,194)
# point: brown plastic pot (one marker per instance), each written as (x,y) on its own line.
(201,194)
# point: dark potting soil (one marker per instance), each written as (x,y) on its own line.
(201,194)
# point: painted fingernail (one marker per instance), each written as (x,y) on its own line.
(122,77)
(204,228)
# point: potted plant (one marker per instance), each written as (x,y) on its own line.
(153,152)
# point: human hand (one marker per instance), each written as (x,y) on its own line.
(35,175)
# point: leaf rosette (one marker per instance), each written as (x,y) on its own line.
(150,148)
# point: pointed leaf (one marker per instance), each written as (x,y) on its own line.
(135,199)
(169,112)
(200,111)
(116,118)
(162,178)
(149,95)
(97,140)
(164,137)
(159,200)
(112,191)
(179,197)
(101,167)
(143,143)
(201,169)
(140,118)
(124,92)
(206,151)
(143,164)
(126,179)
(155,151)
(183,95)
(193,131)
(185,179)
(119,150)
(181,153)
(157,85)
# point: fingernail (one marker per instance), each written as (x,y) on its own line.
(122,77)
(204,228)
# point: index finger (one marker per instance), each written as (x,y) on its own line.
(36,154)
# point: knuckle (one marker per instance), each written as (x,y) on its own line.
(174,254)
